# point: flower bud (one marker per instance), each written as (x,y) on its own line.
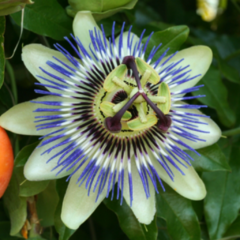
(100,8)
(10,6)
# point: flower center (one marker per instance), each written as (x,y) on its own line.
(124,93)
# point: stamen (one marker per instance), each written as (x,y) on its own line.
(137,125)
(121,84)
(165,121)
(164,91)
(113,124)
(107,109)
(145,77)
(157,99)
(118,106)
(118,72)
(141,112)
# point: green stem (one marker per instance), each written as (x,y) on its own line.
(12,80)
(10,93)
(15,97)
(233,55)
(231,132)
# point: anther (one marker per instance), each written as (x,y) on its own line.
(164,121)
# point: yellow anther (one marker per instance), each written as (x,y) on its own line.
(163,91)
(107,109)
(120,105)
(137,125)
(121,84)
(157,99)
(141,112)
(142,67)
(145,77)
(118,72)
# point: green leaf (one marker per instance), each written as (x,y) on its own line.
(16,206)
(182,222)
(29,188)
(162,230)
(24,154)
(172,38)
(211,159)
(2,57)
(234,229)
(228,71)
(234,100)
(222,202)
(129,223)
(64,232)
(216,96)
(46,204)
(47,18)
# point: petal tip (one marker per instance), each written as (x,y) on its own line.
(148,217)
(69,221)
(31,172)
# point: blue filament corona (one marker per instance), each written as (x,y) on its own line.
(80,143)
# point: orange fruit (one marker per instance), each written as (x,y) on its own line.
(6,161)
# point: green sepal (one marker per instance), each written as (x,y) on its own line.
(119,72)
(164,91)
(107,109)
(142,66)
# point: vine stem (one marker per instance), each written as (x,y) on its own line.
(12,81)
(14,96)
(231,132)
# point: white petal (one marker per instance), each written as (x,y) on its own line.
(35,56)
(37,168)
(189,186)
(144,209)
(77,205)
(125,41)
(198,57)
(211,127)
(82,24)
(20,118)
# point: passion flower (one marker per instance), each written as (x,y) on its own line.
(114,117)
